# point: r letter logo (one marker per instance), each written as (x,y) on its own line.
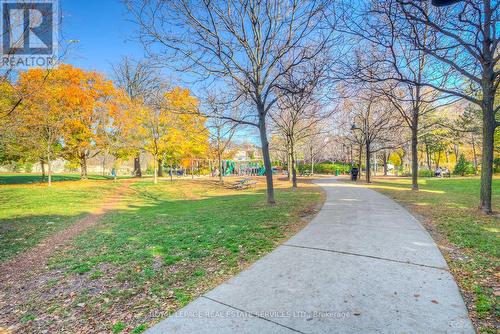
(29,33)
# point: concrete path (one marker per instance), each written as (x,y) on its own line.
(363,265)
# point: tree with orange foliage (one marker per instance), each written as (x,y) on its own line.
(65,115)
(43,112)
(171,126)
(86,124)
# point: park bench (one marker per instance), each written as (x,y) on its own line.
(243,184)
(305,173)
(442,173)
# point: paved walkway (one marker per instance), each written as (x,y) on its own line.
(363,265)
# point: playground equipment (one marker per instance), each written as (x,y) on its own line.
(228,167)
(244,168)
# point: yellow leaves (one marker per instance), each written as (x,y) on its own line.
(174,128)
(180,100)
(83,111)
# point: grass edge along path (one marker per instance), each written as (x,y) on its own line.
(142,263)
(467,239)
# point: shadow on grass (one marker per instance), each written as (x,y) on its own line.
(230,227)
(22,233)
(37,178)
(240,225)
(159,252)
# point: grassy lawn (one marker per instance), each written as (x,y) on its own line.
(469,240)
(166,245)
(31,212)
(18,178)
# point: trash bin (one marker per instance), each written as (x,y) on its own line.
(354,174)
(337,173)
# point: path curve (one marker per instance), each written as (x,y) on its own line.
(363,265)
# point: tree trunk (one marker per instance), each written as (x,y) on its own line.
(42,166)
(289,162)
(83,166)
(368,162)
(192,169)
(160,167)
(428,155)
(456,151)
(352,158)
(221,176)
(312,160)
(171,172)
(137,166)
(385,163)
(103,170)
(489,124)
(292,162)
(155,169)
(487,106)
(289,166)
(360,159)
(474,153)
(266,157)
(414,155)
(49,168)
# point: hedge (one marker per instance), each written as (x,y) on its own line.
(325,168)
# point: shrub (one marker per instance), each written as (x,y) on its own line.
(150,170)
(71,166)
(496,165)
(28,167)
(464,167)
(425,173)
(326,168)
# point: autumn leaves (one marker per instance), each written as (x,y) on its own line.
(74,114)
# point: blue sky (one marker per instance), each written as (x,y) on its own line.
(103,30)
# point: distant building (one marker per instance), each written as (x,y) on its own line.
(247,152)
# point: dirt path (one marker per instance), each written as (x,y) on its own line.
(24,271)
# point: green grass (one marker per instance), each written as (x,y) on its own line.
(169,243)
(19,178)
(451,207)
(29,213)
(118,327)
(166,225)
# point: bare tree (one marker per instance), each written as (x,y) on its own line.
(376,120)
(315,146)
(395,62)
(465,52)
(240,42)
(298,112)
(222,132)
